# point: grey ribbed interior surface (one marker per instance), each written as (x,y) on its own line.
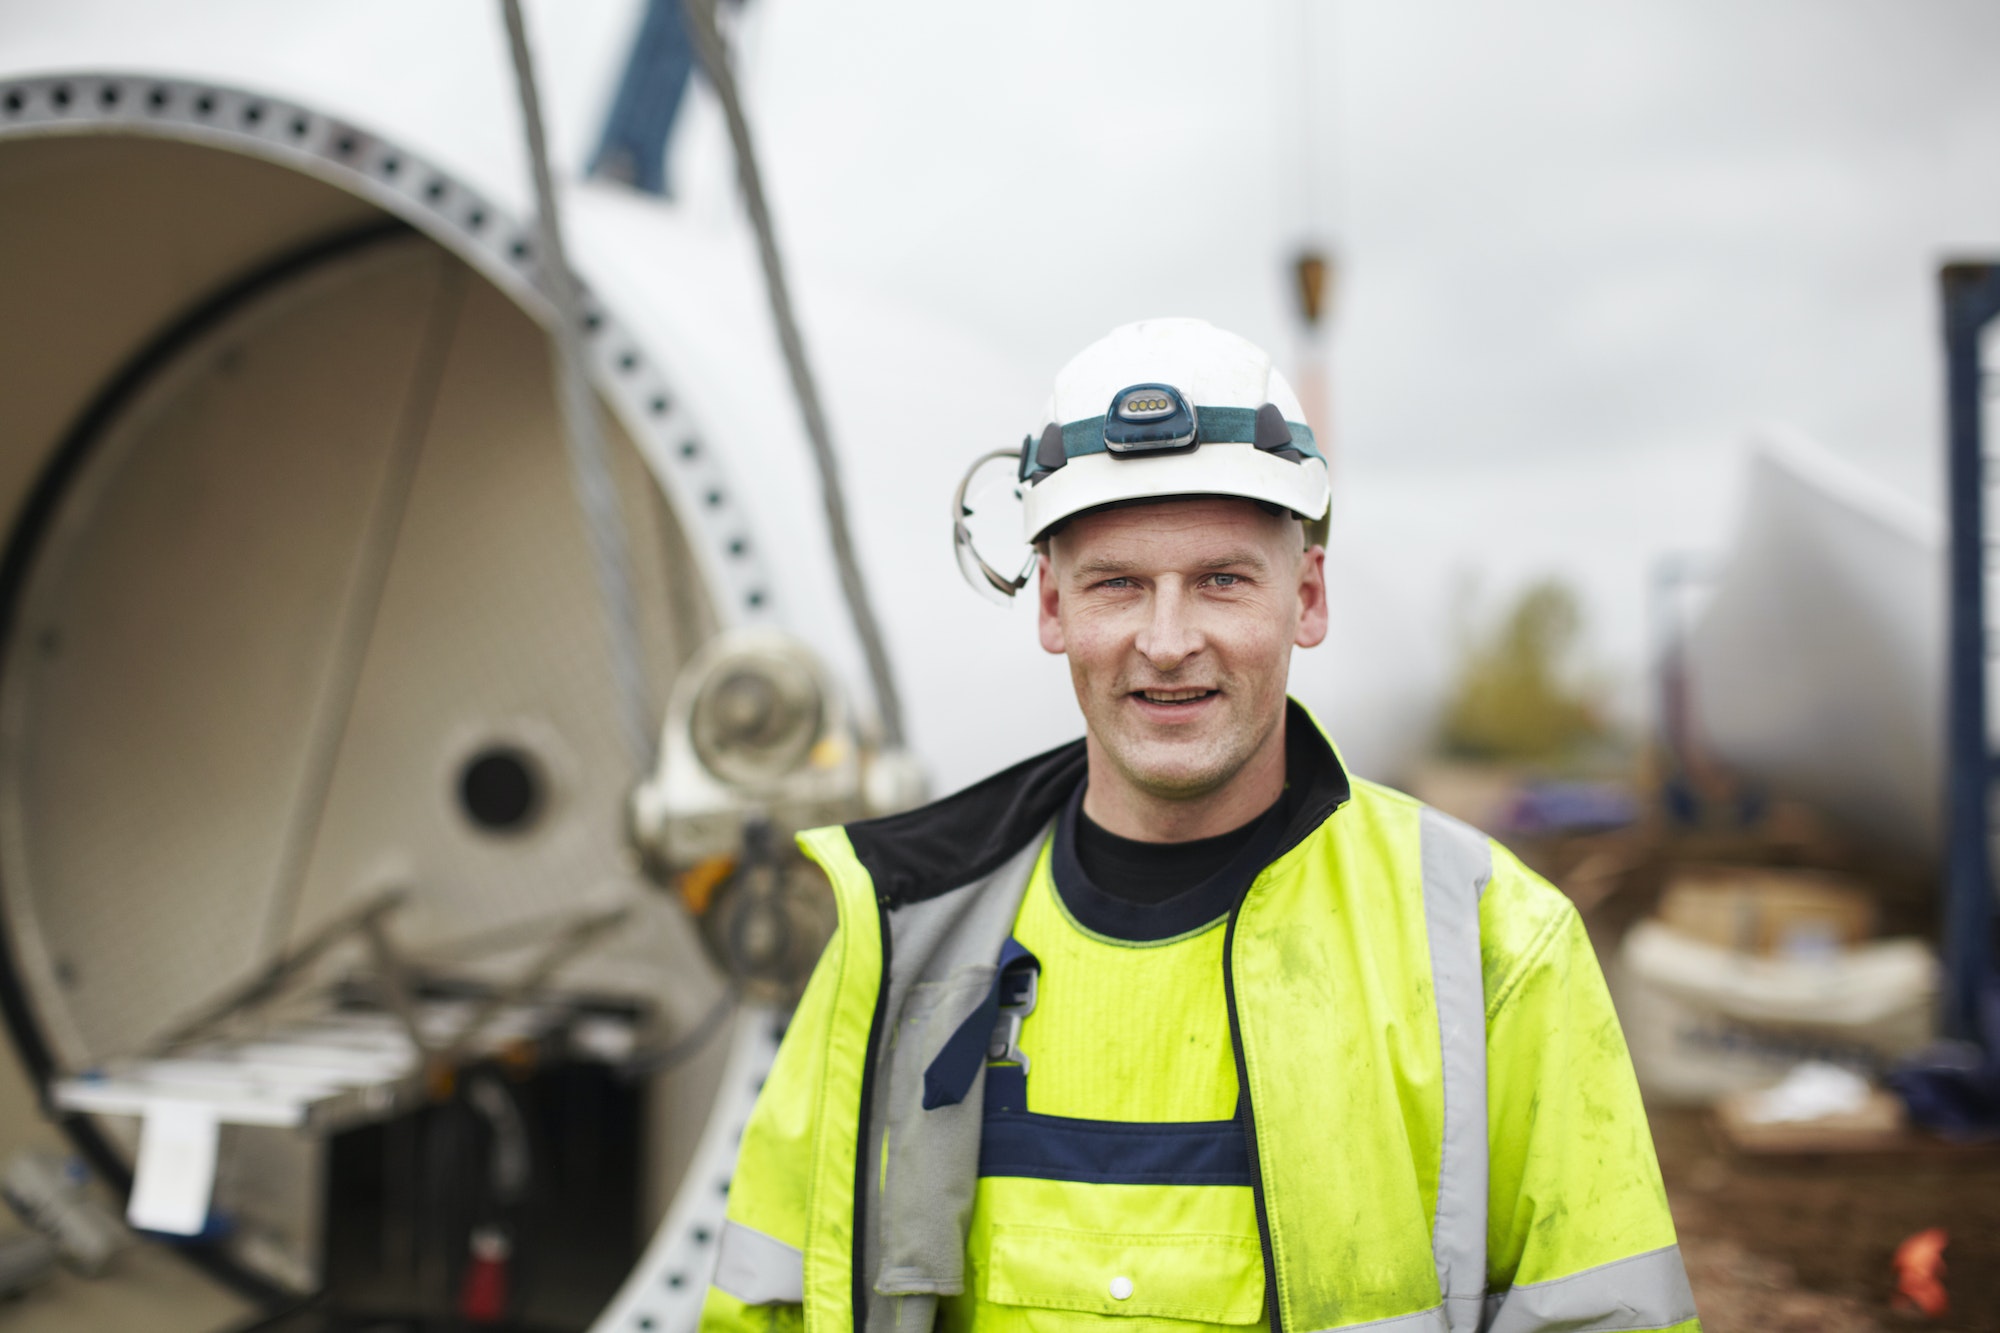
(177,626)
(181,627)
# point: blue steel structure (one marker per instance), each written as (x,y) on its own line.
(633,147)
(1971,294)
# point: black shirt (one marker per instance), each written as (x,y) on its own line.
(1149,891)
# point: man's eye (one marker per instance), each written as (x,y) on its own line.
(1225,580)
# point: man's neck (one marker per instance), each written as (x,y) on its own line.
(1118,805)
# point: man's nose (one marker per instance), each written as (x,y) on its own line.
(1170,635)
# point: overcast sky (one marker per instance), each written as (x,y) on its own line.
(1565,228)
(1584,248)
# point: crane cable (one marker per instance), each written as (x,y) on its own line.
(714,57)
(583,428)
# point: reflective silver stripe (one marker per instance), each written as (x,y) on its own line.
(758,1270)
(1647,1291)
(1423,1321)
(1457,862)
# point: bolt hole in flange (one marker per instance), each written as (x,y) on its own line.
(502,789)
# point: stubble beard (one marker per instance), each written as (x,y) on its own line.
(1183,769)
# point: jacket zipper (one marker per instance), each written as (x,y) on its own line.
(1277,1321)
(857,1247)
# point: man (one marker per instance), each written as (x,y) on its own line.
(1180,1022)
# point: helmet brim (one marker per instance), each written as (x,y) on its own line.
(1239,471)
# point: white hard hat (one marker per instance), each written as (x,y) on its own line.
(1161,408)
(1170,407)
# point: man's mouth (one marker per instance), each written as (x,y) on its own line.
(1186,696)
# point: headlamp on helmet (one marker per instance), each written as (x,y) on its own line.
(1148,419)
(1192,410)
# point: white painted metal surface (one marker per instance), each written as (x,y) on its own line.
(1817,669)
(322,1074)
(192,512)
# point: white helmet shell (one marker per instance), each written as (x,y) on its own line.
(1169,407)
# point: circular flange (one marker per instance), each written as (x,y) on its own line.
(706,500)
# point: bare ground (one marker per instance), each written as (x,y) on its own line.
(1804,1244)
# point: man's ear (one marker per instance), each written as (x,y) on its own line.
(1048,605)
(1312,598)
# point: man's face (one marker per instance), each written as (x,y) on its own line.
(1179,620)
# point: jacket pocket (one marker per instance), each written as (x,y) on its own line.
(1212,1279)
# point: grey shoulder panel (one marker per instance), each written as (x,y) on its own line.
(943,950)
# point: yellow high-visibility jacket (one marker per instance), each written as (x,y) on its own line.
(1442,1123)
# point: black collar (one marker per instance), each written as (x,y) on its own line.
(1201,904)
(921,853)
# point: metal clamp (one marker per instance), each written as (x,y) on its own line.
(1005,1043)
